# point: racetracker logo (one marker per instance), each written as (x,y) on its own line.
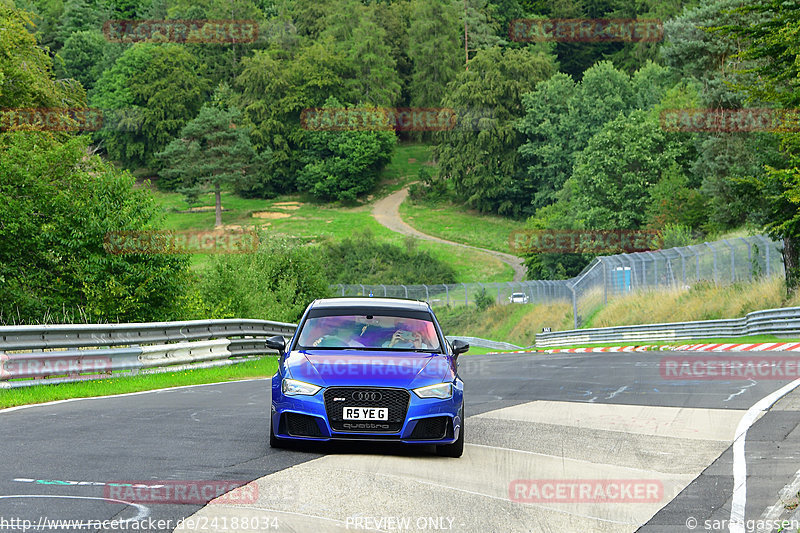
(181,242)
(51,119)
(586,491)
(730,120)
(181,31)
(709,368)
(182,492)
(586,30)
(20,366)
(396,119)
(583,241)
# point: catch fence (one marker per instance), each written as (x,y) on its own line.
(720,262)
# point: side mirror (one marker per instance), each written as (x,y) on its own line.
(277,343)
(459,347)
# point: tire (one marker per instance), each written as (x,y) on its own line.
(455,449)
(274,442)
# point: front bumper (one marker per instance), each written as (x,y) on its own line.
(425,421)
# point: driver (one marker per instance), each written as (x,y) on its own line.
(406,338)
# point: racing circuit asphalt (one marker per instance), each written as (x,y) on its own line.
(561,416)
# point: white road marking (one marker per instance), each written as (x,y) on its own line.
(143,511)
(621,389)
(740,461)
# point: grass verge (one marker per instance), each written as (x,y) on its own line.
(260,368)
(703,301)
(314,222)
(517,324)
(458,224)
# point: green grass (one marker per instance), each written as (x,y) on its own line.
(404,167)
(314,222)
(458,224)
(517,324)
(703,301)
(260,368)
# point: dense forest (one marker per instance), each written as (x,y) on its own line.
(567,135)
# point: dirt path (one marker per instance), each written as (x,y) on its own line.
(387,212)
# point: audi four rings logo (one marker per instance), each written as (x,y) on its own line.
(367,396)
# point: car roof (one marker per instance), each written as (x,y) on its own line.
(383,303)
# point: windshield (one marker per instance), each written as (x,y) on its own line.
(370,332)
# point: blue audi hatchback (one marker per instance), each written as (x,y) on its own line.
(374,369)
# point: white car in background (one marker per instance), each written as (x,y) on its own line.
(518,298)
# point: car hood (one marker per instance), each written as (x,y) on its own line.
(374,368)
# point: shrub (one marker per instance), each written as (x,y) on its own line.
(362,259)
(275,283)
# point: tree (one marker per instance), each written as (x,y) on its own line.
(698,54)
(341,165)
(213,150)
(618,167)
(547,125)
(59,207)
(26,69)
(561,116)
(481,157)
(274,88)
(83,56)
(372,74)
(436,49)
(79,15)
(770,52)
(162,87)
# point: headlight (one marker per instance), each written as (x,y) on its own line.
(440,390)
(292,387)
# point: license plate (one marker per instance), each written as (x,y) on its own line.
(365,413)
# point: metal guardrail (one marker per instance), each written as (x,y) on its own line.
(484,343)
(785,321)
(61,353)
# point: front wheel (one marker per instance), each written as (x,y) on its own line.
(455,449)
(274,442)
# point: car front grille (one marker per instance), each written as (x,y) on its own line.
(395,400)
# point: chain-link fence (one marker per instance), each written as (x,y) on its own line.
(720,262)
(464,293)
